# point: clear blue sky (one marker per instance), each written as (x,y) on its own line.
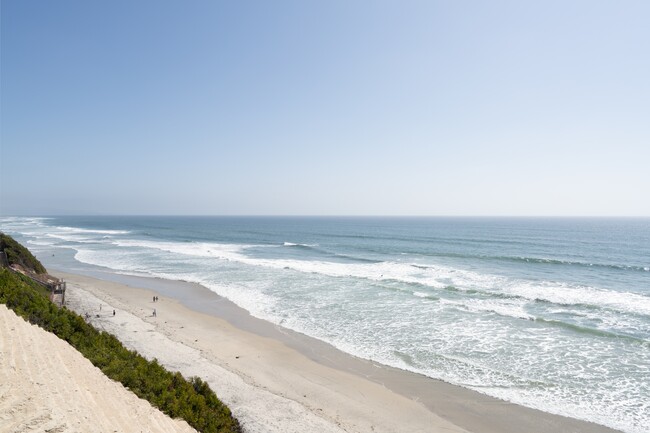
(329,107)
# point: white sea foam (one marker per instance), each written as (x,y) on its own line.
(503,307)
(202,249)
(291,244)
(434,276)
(92,231)
(439,277)
(41,243)
(117,262)
(73,237)
(24,221)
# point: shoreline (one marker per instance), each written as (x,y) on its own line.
(323,386)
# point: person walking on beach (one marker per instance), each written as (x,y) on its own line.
(154,312)
(113,312)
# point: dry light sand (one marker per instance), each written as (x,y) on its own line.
(272,380)
(47,386)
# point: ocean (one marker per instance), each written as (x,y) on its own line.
(549,313)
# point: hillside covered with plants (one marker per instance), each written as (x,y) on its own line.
(19,255)
(191,400)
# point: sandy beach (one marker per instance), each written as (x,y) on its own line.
(47,386)
(275,380)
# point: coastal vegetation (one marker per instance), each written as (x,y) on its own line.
(191,400)
(19,255)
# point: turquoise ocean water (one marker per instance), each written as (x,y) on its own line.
(552,314)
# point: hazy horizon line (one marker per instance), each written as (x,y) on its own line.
(198,215)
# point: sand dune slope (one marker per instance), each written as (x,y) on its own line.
(47,386)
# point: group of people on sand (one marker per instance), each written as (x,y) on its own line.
(87,316)
(155,299)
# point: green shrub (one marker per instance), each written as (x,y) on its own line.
(19,255)
(191,400)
